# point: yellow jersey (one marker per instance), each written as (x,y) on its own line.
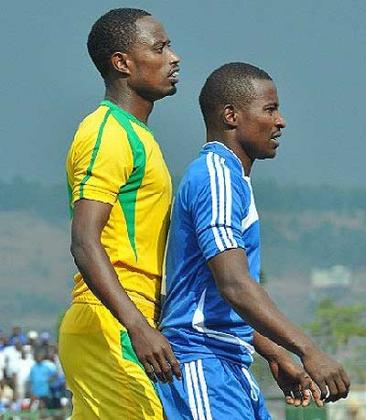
(115,159)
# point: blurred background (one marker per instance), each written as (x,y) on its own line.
(311,198)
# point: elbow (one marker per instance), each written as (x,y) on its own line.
(76,251)
(230,294)
(239,293)
(79,248)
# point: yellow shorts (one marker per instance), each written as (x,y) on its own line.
(101,368)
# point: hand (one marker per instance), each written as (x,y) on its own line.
(155,354)
(295,383)
(328,374)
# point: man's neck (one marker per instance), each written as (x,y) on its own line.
(129,101)
(235,147)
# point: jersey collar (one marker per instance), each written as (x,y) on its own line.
(131,117)
(216,146)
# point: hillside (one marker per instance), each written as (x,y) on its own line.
(35,271)
(303,228)
(311,227)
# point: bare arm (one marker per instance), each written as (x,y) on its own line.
(152,349)
(250,300)
(91,259)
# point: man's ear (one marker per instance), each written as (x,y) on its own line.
(230,117)
(120,62)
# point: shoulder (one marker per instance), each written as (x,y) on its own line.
(216,172)
(97,126)
(99,134)
(195,176)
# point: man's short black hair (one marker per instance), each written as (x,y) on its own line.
(114,31)
(229,84)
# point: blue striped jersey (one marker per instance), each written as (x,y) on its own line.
(214,210)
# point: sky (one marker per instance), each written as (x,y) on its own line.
(314,50)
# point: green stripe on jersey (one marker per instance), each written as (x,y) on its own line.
(128,352)
(131,117)
(128,192)
(94,153)
(69,193)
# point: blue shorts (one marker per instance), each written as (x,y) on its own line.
(213,389)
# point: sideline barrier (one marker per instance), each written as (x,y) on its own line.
(36,415)
(342,410)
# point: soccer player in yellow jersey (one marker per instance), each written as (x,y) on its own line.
(120,195)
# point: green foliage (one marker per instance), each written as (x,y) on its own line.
(335,325)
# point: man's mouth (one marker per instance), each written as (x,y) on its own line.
(174,75)
(275,139)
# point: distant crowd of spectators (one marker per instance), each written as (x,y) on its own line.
(31,376)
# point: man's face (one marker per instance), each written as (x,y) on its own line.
(260,122)
(153,65)
(38,358)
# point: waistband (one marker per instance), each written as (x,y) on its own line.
(150,310)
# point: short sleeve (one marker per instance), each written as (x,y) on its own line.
(99,163)
(218,207)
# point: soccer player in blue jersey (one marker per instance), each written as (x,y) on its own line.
(216,314)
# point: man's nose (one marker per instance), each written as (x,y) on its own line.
(280,121)
(174,57)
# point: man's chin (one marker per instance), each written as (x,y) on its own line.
(271,155)
(172,91)
(162,95)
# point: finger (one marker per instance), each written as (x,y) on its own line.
(345,379)
(305,382)
(173,362)
(289,396)
(306,398)
(322,387)
(332,392)
(157,369)
(165,368)
(150,371)
(296,397)
(344,388)
(316,394)
(289,400)
(341,391)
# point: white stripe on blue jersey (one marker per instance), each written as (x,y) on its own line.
(198,399)
(211,171)
(252,216)
(197,392)
(214,211)
(221,201)
(191,399)
(203,385)
(198,323)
